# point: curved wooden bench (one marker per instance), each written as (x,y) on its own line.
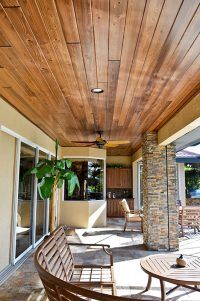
(55,265)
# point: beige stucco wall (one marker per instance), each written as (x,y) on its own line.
(186,120)
(83,214)
(7,158)
(124,160)
(88,152)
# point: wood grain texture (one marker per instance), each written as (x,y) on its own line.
(143,54)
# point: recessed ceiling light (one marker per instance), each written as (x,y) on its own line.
(97,90)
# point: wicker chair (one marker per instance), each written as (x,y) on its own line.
(130,215)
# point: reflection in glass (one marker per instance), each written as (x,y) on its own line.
(52,159)
(25,200)
(41,208)
(91,179)
(140,184)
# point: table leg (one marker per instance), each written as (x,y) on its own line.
(148,284)
(163,293)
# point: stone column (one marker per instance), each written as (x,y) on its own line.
(159,194)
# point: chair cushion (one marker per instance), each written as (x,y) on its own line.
(131,217)
(125,206)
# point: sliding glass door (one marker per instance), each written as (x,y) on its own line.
(31,212)
(25,200)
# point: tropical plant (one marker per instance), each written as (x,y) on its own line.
(51,176)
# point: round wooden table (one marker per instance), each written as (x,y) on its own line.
(164,268)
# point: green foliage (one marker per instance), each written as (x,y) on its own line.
(192,177)
(53,174)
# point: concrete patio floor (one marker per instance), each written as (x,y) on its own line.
(127,248)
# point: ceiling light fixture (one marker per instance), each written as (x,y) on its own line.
(97,90)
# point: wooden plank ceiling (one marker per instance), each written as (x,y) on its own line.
(143,53)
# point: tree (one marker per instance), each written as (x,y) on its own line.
(51,176)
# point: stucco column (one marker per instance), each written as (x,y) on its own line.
(159,194)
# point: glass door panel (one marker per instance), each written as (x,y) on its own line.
(25,200)
(41,209)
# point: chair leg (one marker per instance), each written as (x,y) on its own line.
(125,225)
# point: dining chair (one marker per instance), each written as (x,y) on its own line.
(130,215)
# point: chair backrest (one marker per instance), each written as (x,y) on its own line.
(125,206)
(191,216)
(56,257)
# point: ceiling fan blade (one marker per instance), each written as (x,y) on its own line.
(118,142)
(83,141)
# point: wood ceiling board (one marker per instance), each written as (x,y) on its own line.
(118,10)
(22,26)
(171,53)
(69,84)
(139,82)
(68,20)
(100,16)
(146,31)
(9,3)
(3,41)
(79,70)
(171,69)
(135,11)
(22,54)
(36,108)
(85,27)
(153,46)
(101,109)
(34,18)
(175,97)
(113,72)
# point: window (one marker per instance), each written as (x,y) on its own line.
(91,179)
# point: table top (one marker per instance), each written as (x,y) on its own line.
(163,267)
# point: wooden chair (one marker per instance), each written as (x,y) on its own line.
(189,216)
(130,215)
(55,265)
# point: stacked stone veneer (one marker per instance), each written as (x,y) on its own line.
(159,194)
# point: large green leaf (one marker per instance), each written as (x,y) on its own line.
(72,183)
(65,174)
(60,183)
(60,164)
(45,187)
(43,171)
(68,163)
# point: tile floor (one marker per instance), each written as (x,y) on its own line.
(127,249)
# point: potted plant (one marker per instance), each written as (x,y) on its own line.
(51,175)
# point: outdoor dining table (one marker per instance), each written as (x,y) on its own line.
(164,268)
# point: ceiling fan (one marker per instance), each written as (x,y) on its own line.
(101,143)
